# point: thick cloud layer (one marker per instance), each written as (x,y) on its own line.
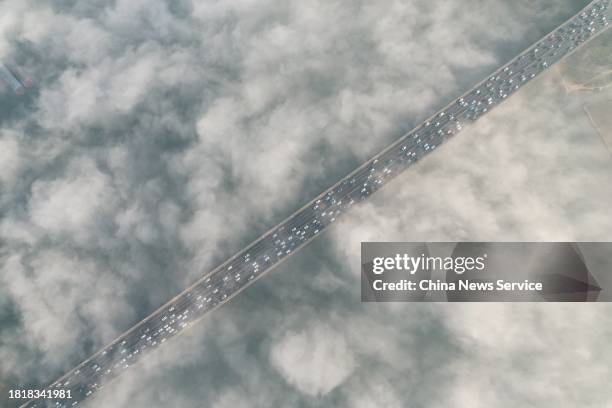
(161,136)
(535,169)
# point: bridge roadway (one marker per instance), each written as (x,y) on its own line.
(228,279)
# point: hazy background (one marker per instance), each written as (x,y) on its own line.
(163,136)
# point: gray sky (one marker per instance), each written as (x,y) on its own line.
(162,136)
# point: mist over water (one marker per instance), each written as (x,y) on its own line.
(161,137)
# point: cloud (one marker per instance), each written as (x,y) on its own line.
(9,157)
(521,177)
(315,360)
(536,354)
(374,391)
(65,301)
(161,137)
(534,169)
(70,204)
